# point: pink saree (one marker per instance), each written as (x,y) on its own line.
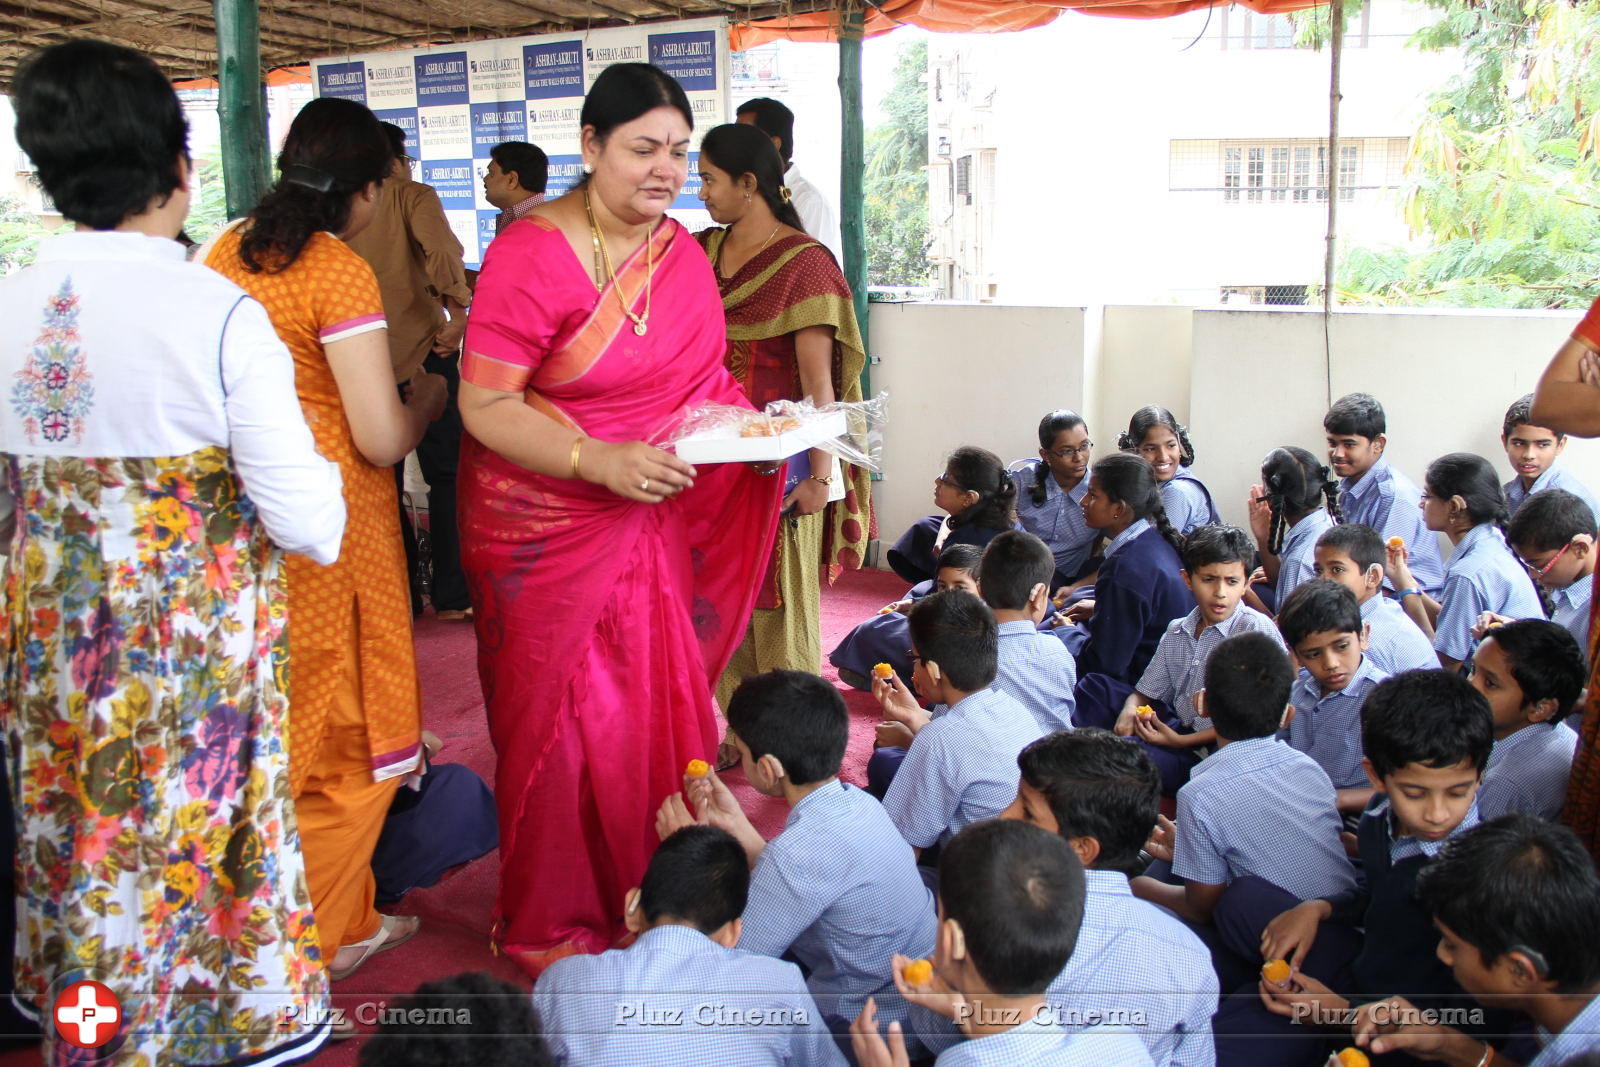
(602,624)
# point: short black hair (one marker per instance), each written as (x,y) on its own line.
(1545,660)
(1549,519)
(795,716)
(468,1020)
(1098,785)
(1013,564)
(1519,883)
(1216,543)
(1356,415)
(1315,607)
(102,127)
(1434,718)
(1018,894)
(773,119)
(961,557)
(956,630)
(1360,542)
(527,161)
(397,139)
(1248,679)
(699,875)
(1520,413)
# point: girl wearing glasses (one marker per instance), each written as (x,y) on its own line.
(1050,496)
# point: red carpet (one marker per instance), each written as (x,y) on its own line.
(455,913)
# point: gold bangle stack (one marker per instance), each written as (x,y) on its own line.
(577,450)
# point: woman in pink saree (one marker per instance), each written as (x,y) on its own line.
(610,580)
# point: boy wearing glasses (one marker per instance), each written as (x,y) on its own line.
(1554,533)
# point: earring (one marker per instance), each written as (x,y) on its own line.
(588,168)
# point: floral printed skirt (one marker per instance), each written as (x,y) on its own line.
(145,718)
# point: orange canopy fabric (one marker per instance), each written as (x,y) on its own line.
(973,16)
(275,76)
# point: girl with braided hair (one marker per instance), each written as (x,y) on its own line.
(979,499)
(1296,502)
(1050,494)
(1462,499)
(1156,434)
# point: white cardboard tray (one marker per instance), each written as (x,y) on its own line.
(724,445)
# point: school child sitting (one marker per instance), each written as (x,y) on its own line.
(1372,492)
(1465,503)
(978,499)
(1294,504)
(1554,534)
(1216,568)
(885,638)
(1516,903)
(1353,555)
(1255,806)
(1031,667)
(961,766)
(1050,493)
(1533,451)
(683,993)
(1011,901)
(838,887)
(1155,435)
(1322,626)
(1531,672)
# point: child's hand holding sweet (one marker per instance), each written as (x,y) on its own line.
(1152,730)
(1487,621)
(1291,935)
(931,993)
(1300,996)
(1398,570)
(1162,839)
(869,1046)
(897,702)
(1394,1024)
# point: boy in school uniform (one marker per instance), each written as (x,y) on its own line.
(1033,668)
(838,887)
(885,637)
(1011,900)
(1533,452)
(1517,904)
(1372,492)
(1531,673)
(1321,623)
(1255,806)
(683,994)
(961,766)
(1554,534)
(1353,555)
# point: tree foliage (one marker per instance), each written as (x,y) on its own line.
(896,179)
(20,232)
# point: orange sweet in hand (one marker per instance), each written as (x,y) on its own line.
(1352,1057)
(1145,711)
(918,972)
(882,671)
(1276,971)
(698,768)
(1396,543)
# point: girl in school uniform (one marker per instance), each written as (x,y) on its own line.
(1050,493)
(979,499)
(1462,499)
(886,637)
(1294,504)
(1156,435)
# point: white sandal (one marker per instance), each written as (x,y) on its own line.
(391,932)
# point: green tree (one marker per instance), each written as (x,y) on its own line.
(20,232)
(208,210)
(896,181)
(1503,178)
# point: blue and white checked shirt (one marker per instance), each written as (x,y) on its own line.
(1394,642)
(1186,501)
(1298,552)
(1132,957)
(1482,576)
(1040,1042)
(1058,522)
(1178,669)
(1390,503)
(677,997)
(1557,477)
(839,888)
(1581,1035)
(1036,670)
(1259,807)
(960,768)
(1328,727)
(1403,848)
(1569,607)
(1528,771)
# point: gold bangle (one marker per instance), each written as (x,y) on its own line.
(577,449)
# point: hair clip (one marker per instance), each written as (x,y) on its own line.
(784,193)
(310,177)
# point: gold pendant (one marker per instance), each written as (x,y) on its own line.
(639,328)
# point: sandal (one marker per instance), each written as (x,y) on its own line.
(392,931)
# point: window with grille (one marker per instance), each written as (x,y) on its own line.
(964,179)
(1256,172)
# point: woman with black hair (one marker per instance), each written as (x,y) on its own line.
(1157,435)
(1050,493)
(979,499)
(144,703)
(357,715)
(1295,503)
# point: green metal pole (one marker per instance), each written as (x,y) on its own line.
(240,104)
(852,170)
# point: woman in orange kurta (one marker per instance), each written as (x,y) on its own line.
(354,696)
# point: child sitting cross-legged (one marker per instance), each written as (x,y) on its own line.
(1554,533)
(1353,555)
(1322,625)
(838,887)
(886,637)
(1531,672)
(683,993)
(1011,901)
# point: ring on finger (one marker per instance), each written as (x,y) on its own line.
(645,486)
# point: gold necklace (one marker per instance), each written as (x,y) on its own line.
(753,255)
(639,321)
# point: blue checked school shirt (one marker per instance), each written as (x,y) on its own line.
(1328,728)
(1482,576)
(1557,477)
(839,889)
(1403,848)
(1297,554)
(1058,522)
(1528,772)
(1259,807)
(1581,1035)
(1040,1042)
(675,997)
(960,768)
(1390,503)
(1569,607)
(1178,669)
(1036,670)
(1187,501)
(1394,642)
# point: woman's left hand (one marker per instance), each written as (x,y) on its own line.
(807,498)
